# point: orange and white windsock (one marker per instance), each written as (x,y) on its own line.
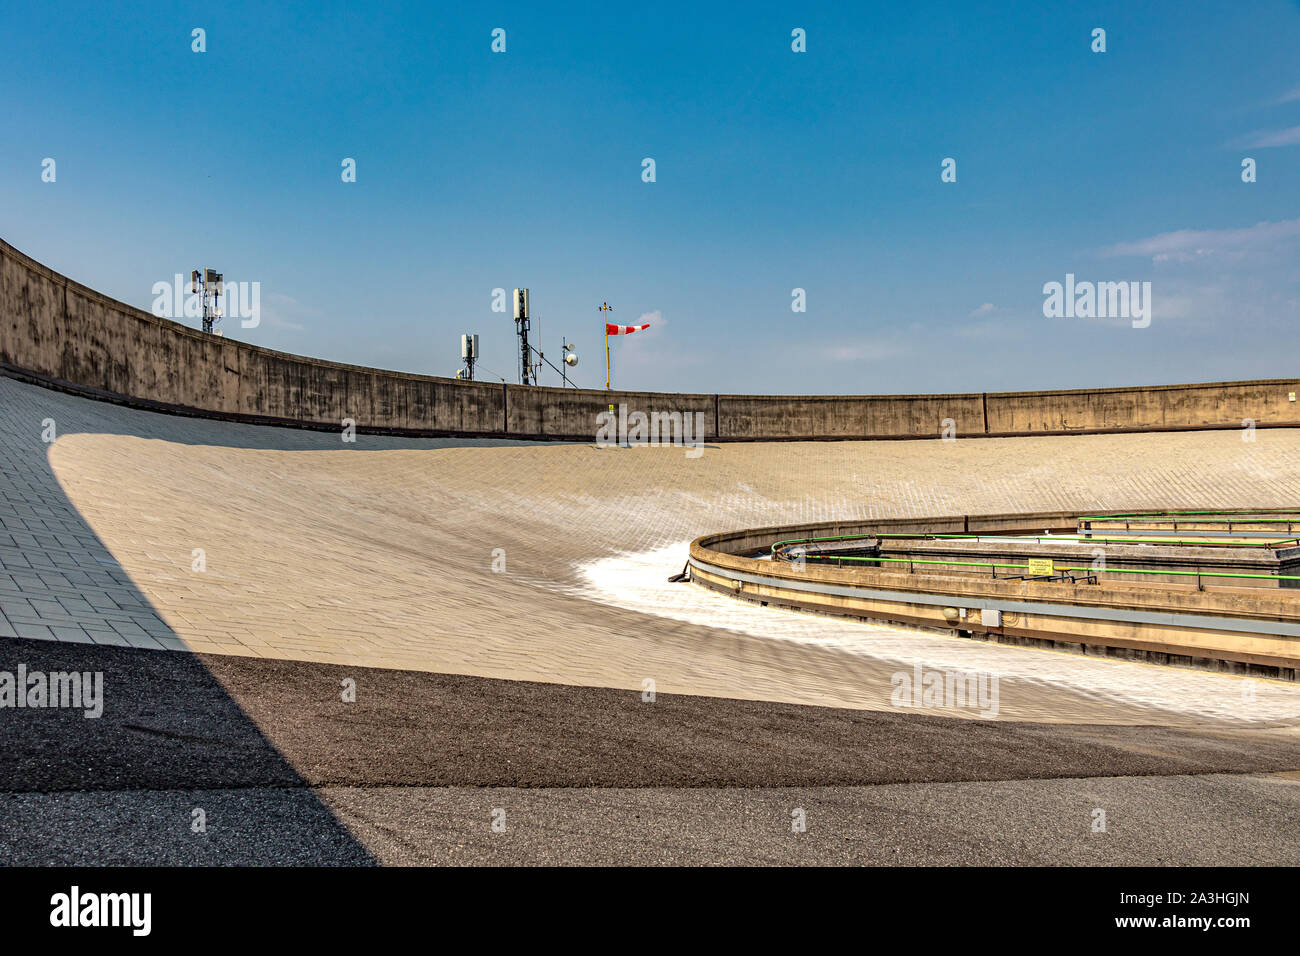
(624,329)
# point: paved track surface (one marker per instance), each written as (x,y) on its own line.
(285,771)
(172,721)
(381,553)
(373,562)
(1150,821)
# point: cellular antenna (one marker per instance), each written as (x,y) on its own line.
(208,283)
(469,355)
(522,324)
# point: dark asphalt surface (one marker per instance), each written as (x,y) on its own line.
(277,760)
(1149,821)
(247,827)
(1211,820)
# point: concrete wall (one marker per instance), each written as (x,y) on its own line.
(848,416)
(60,333)
(1141,620)
(1155,408)
(571,412)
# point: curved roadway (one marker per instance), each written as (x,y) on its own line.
(536,572)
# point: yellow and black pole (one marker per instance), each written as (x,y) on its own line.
(605,309)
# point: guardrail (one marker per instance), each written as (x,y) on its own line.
(1240,629)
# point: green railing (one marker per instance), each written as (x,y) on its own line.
(1025,567)
(780,549)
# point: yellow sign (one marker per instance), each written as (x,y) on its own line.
(1039,566)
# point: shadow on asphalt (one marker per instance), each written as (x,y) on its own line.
(168,724)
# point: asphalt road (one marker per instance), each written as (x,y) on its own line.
(285,771)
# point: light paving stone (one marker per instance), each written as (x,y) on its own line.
(107,637)
(140,642)
(34,631)
(381,554)
(170,643)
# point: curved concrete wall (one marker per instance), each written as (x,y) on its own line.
(63,334)
(1251,629)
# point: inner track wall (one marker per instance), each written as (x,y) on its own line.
(1243,630)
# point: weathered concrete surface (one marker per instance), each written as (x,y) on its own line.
(1157,407)
(326,561)
(381,553)
(539,412)
(848,416)
(58,330)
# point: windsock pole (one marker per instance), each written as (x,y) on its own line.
(605,309)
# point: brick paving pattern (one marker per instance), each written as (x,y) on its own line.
(380,553)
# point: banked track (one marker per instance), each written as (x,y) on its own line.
(328,562)
(380,553)
(522,687)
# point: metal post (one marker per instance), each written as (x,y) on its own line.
(525,359)
(605,309)
(522,325)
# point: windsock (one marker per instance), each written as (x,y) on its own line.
(624,329)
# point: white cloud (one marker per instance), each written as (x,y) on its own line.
(984,309)
(656,320)
(285,312)
(644,355)
(992,329)
(642,343)
(1186,245)
(1268,138)
(860,352)
(1213,280)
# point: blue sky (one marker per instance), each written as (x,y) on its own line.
(775,170)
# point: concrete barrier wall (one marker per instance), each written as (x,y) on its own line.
(61,333)
(1159,407)
(848,416)
(572,412)
(1252,630)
